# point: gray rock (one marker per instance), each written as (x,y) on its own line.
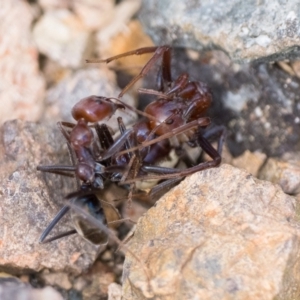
(22,87)
(246,31)
(220,234)
(30,199)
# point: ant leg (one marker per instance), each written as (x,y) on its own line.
(105,138)
(173,173)
(56,219)
(202,122)
(58,169)
(158,52)
(220,132)
(118,144)
(59,236)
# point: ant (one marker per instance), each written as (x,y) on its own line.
(176,114)
(174,118)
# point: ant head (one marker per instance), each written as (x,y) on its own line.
(94,109)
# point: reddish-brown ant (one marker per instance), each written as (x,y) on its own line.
(177,114)
(174,118)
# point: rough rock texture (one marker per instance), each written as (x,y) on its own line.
(30,199)
(60,35)
(93,81)
(284,171)
(220,234)
(21,86)
(247,31)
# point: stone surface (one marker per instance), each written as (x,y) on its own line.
(100,276)
(30,199)
(101,82)
(284,171)
(250,161)
(123,12)
(247,31)
(94,14)
(220,234)
(114,292)
(60,35)
(21,86)
(12,288)
(54,4)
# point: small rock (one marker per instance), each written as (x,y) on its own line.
(220,234)
(285,172)
(57,279)
(12,288)
(100,277)
(22,87)
(123,12)
(250,161)
(60,35)
(83,83)
(247,31)
(54,4)
(114,291)
(30,199)
(94,14)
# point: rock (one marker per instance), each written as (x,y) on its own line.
(30,199)
(114,291)
(22,86)
(249,31)
(12,288)
(99,277)
(83,83)
(285,172)
(220,234)
(57,279)
(54,4)
(250,161)
(94,14)
(60,35)
(123,12)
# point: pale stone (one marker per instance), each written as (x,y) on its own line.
(21,86)
(60,35)
(286,173)
(94,14)
(250,161)
(220,234)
